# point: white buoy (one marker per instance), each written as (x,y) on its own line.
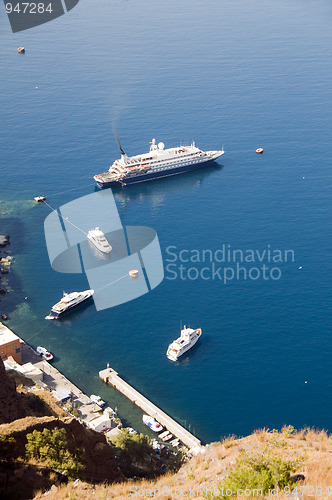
(300,267)
(133,273)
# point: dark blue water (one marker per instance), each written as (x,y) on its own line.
(242,74)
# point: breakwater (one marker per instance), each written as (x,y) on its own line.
(110,376)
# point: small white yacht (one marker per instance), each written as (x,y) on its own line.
(185,342)
(98,239)
(68,302)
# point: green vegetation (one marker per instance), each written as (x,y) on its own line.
(75,412)
(137,446)
(7,448)
(7,456)
(51,447)
(138,458)
(259,472)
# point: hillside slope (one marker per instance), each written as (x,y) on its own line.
(206,472)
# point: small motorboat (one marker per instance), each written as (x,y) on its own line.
(175,442)
(163,434)
(167,437)
(156,446)
(21,50)
(152,423)
(259,151)
(97,400)
(39,199)
(44,353)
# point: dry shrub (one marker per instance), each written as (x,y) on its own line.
(229,441)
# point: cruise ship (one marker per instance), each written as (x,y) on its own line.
(68,302)
(159,162)
(185,342)
(98,239)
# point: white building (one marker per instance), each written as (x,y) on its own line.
(28,370)
(100,424)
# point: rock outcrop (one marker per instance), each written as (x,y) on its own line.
(10,403)
(4,240)
(99,457)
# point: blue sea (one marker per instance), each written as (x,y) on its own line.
(239,74)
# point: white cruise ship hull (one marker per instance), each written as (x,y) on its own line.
(107,180)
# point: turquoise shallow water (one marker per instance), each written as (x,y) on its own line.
(239,74)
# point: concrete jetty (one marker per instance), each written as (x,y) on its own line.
(110,376)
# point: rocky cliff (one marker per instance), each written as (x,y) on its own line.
(98,455)
(10,403)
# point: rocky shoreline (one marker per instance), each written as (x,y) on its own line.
(5,265)
(4,240)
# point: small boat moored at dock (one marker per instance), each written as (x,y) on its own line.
(185,342)
(152,423)
(97,400)
(167,437)
(156,446)
(68,302)
(44,353)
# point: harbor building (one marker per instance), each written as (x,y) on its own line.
(10,344)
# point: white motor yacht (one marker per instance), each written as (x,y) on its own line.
(98,239)
(185,342)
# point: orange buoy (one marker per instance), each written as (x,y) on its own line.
(133,273)
(21,50)
(259,150)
